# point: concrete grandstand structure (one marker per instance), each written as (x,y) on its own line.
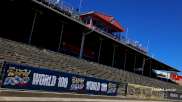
(44,34)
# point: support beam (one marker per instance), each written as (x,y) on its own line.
(143,65)
(82,46)
(113,56)
(100,47)
(150,68)
(83,42)
(91,22)
(125,59)
(32,29)
(60,38)
(135,59)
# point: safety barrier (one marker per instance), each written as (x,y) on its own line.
(18,76)
(173,95)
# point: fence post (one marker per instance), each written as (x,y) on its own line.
(126,89)
(2,73)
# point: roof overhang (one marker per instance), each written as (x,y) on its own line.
(105,18)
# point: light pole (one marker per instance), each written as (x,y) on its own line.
(80,5)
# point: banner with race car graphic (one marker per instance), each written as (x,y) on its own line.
(17,76)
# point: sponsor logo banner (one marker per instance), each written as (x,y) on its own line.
(18,76)
(174,95)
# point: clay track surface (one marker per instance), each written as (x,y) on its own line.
(48,99)
(37,96)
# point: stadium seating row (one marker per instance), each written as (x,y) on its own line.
(26,54)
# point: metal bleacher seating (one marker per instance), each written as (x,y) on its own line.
(25,54)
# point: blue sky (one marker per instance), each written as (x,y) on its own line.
(159,21)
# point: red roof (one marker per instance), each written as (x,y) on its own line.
(108,19)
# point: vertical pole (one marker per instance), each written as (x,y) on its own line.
(143,65)
(126,36)
(134,63)
(148,45)
(80,5)
(60,38)
(82,46)
(61,3)
(125,58)
(150,68)
(168,76)
(126,89)
(113,56)
(91,23)
(2,72)
(32,29)
(100,47)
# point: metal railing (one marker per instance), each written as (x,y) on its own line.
(62,7)
(69,10)
(134,44)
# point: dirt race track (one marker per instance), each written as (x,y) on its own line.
(37,96)
(47,99)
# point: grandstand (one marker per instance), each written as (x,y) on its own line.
(25,54)
(40,33)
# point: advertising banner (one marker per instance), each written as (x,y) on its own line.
(174,95)
(16,76)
